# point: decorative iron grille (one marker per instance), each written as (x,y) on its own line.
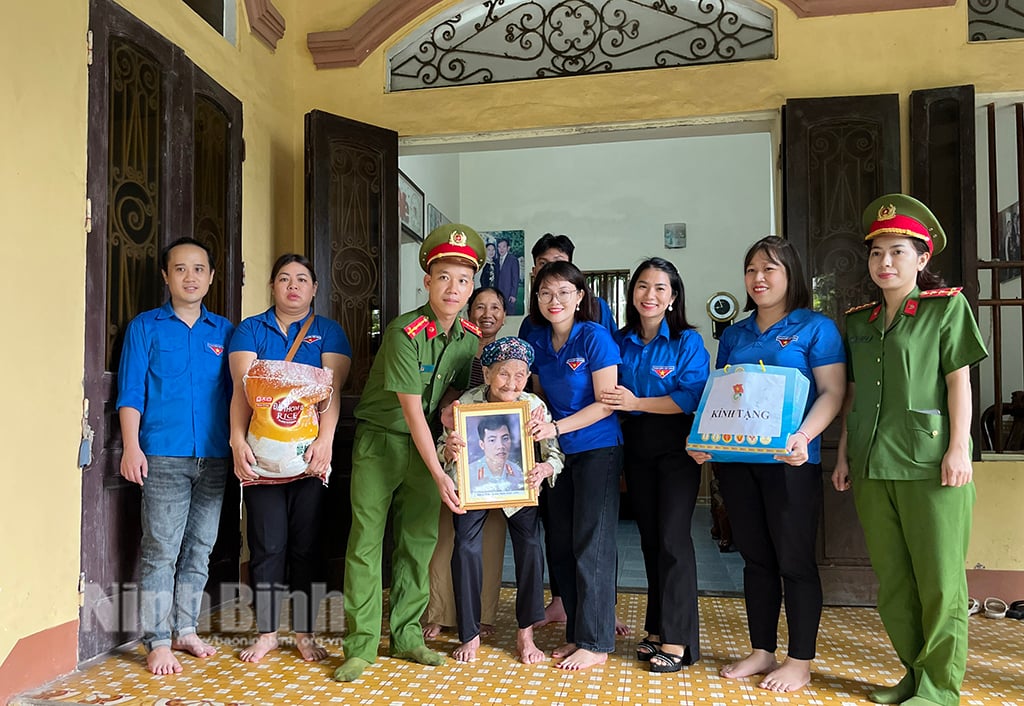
(512,40)
(995,19)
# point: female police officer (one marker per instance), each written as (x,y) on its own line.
(906,448)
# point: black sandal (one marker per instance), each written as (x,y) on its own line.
(1015,611)
(645,649)
(663,662)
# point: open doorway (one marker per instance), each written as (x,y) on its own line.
(617,194)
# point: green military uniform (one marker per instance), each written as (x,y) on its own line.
(897,434)
(416,357)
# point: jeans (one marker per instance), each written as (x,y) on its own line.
(584,517)
(181,499)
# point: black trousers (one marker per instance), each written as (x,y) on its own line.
(468,568)
(585,513)
(774,509)
(544,508)
(662,483)
(283,523)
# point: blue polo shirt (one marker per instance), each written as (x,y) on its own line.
(665,366)
(178,379)
(527,327)
(803,339)
(566,379)
(261,335)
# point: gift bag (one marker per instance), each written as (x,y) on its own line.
(747,412)
(285,419)
(284,397)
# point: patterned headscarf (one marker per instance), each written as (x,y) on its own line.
(507,348)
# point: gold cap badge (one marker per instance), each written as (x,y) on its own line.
(886,213)
(457,238)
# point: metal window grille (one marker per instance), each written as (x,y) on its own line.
(610,285)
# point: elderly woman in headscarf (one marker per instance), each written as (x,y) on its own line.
(506,365)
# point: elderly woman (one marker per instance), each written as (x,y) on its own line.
(283,520)
(506,370)
(486,309)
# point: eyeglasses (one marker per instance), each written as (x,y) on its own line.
(562,295)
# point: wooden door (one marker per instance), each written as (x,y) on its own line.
(840,154)
(141,184)
(352,238)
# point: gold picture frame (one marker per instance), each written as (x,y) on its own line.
(499,451)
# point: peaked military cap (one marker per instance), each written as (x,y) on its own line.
(902,215)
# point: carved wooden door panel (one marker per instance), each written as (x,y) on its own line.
(164,144)
(352,239)
(840,154)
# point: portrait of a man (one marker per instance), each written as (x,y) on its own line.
(499,469)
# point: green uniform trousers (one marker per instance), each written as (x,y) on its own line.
(387,471)
(917,533)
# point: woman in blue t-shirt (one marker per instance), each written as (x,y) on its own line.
(283,520)
(774,507)
(663,372)
(576,359)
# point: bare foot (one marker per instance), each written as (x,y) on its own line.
(161,660)
(563,651)
(621,628)
(553,613)
(526,650)
(432,630)
(466,652)
(486,629)
(309,648)
(757,662)
(792,675)
(194,645)
(582,659)
(266,642)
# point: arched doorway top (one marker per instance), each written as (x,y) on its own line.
(480,42)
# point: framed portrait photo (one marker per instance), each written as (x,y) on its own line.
(492,466)
(410,208)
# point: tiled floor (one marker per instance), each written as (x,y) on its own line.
(717,573)
(854,655)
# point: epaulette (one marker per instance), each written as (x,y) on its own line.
(944,292)
(415,326)
(471,327)
(862,307)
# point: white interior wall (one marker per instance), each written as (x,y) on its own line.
(438,177)
(1006,175)
(613,200)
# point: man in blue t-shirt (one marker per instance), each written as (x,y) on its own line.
(173,394)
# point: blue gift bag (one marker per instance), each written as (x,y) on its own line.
(747,412)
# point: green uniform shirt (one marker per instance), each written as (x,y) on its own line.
(898,428)
(416,357)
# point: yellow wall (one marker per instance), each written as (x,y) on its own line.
(44,91)
(998,532)
(846,55)
(42,186)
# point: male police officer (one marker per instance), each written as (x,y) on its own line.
(424,353)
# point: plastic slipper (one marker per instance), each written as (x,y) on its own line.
(995,607)
(1016,610)
(973,606)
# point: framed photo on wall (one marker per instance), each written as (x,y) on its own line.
(435,218)
(498,448)
(410,207)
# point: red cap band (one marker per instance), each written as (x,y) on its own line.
(900,225)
